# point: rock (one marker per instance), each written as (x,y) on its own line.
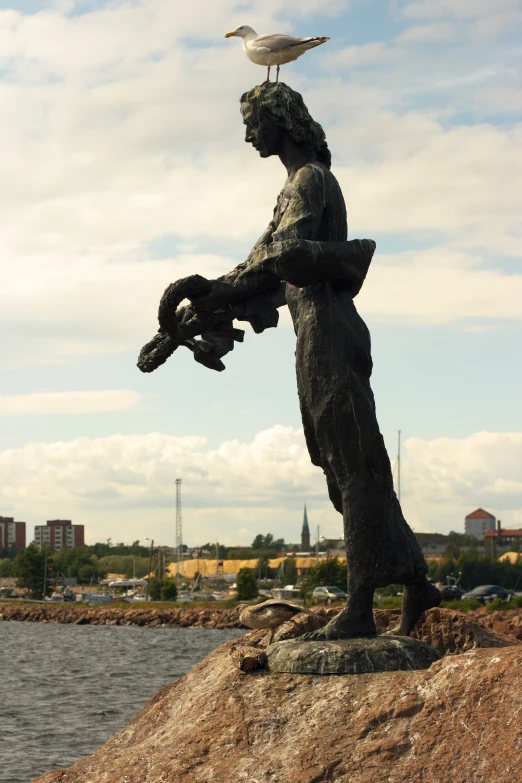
(350,656)
(449,632)
(248,658)
(501,626)
(459,720)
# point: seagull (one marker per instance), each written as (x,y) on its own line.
(273,49)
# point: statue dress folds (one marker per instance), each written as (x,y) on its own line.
(333,368)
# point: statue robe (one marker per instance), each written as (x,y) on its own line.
(333,365)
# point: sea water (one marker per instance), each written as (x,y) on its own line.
(66,689)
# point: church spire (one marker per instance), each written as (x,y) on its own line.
(305,533)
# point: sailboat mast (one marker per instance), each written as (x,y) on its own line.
(399,467)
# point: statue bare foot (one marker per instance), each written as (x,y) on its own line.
(416,599)
(355,620)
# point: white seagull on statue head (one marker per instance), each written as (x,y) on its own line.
(274,49)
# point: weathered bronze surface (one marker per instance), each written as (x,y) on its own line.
(350,656)
(304,259)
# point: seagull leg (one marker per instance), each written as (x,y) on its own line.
(277,73)
(268,75)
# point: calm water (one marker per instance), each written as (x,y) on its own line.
(65,689)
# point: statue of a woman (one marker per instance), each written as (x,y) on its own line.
(306,247)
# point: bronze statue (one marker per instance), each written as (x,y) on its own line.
(304,259)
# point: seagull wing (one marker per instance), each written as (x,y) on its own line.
(276,43)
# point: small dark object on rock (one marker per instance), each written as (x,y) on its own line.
(248,659)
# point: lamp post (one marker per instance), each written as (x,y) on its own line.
(150,567)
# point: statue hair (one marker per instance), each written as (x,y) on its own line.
(286,108)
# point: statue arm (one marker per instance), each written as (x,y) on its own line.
(302,262)
(296,256)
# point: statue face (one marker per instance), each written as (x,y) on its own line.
(263,134)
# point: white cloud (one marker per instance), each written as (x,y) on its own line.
(424,33)
(439,286)
(116,132)
(464,9)
(449,477)
(123,486)
(374,53)
(413,175)
(66,403)
(502,98)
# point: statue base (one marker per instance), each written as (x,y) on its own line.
(364,655)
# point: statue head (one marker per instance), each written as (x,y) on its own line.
(272,110)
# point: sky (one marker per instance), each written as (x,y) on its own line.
(123,167)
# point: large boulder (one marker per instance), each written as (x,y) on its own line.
(459,720)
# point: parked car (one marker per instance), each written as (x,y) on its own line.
(486,593)
(451,592)
(328,593)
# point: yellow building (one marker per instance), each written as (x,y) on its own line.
(210,568)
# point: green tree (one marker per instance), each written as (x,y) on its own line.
(128,565)
(263,570)
(258,542)
(169,591)
(154,589)
(78,563)
(290,571)
(104,549)
(34,571)
(458,540)
(6,568)
(11,552)
(246,583)
(267,542)
(327,572)
(245,553)
(475,569)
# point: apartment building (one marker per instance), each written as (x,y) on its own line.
(59,534)
(11,534)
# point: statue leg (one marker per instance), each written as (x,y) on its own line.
(333,376)
(354,621)
(416,599)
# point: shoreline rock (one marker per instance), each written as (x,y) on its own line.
(460,718)
(507,623)
(183,617)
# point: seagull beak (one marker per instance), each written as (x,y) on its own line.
(229,35)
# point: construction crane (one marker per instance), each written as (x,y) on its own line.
(179,532)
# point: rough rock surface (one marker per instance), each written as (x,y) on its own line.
(184,617)
(448,631)
(508,621)
(459,720)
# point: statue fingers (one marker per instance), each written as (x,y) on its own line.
(192,287)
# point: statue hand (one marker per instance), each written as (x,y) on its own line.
(220,295)
(192,287)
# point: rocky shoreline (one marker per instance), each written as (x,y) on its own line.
(508,622)
(182,617)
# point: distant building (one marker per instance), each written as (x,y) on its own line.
(508,540)
(335,547)
(11,534)
(305,533)
(59,534)
(478,523)
(433,545)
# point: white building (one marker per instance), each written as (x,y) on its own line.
(479,522)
